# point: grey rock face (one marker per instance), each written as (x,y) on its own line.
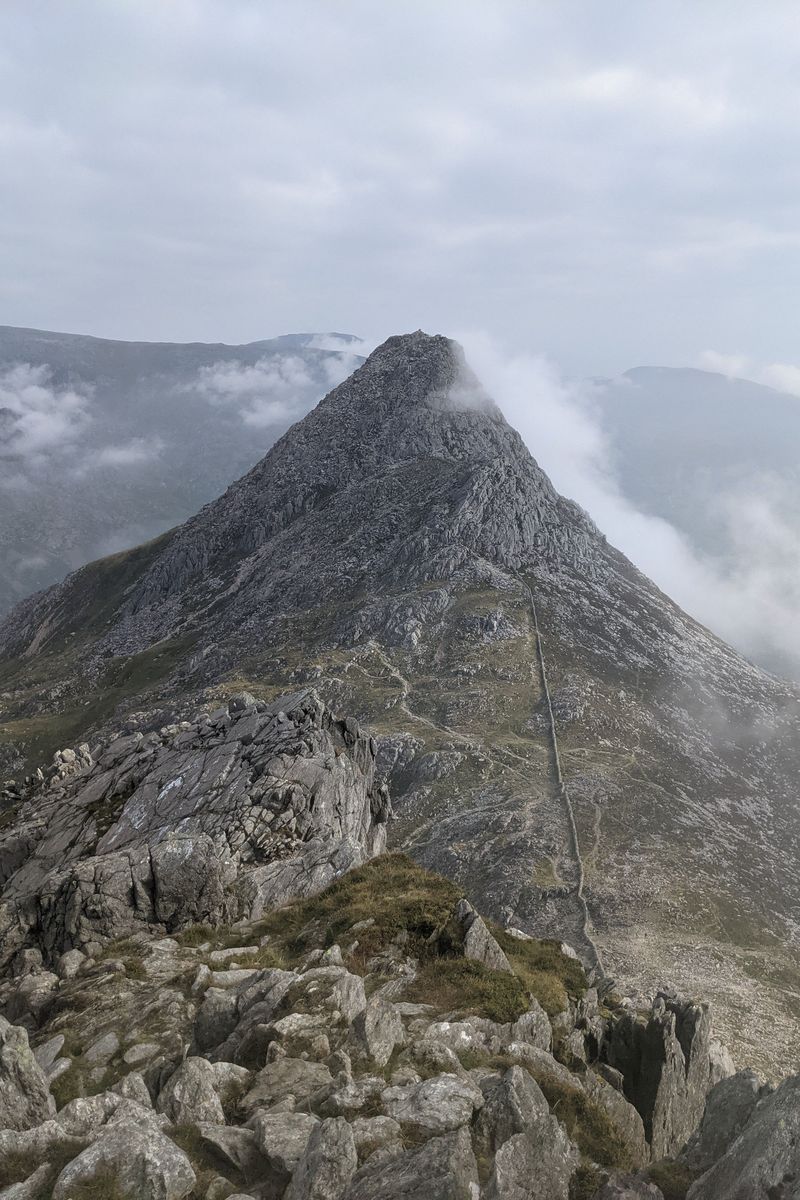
(729,1106)
(327,1165)
(24,1092)
(268,803)
(666,1062)
(434,1106)
(629,1187)
(622,1115)
(443,1169)
(539,1161)
(377,1030)
(144,1163)
(763,1163)
(286,1076)
(512,1105)
(190,1095)
(282,1138)
(478,941)
(193,445)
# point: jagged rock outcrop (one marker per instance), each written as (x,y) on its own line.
(210,820)
(385,1065)
(24,1094)
(668,1061)
(763,1162)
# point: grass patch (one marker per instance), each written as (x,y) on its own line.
(585,1182)
(130,953)
(463,986)
(17,1167)
(398,897)
(103,1186)
(548,974)
(77,1082)
(206,1161)
(586,1122)
(673,1178)
(197,935)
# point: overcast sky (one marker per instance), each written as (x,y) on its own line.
(609,183)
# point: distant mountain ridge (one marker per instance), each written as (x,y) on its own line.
(105,443)
(585,760)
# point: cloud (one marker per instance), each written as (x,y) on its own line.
(784,377)
(276,389)
(750,596)
(38,421)
(128,454)
(583,178)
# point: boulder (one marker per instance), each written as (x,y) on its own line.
(284,1077)
(763,1163)
(84,1115)
(479,944)
(189,1096)
(375,1133)
(533,1027)
(376,1031)
(514,1102)
(236,1146)
(282,1137)
(444,1168)
(435,1105)
(729,1106)
(538,1162)
(327,1165)
(142,1162)
(348,1099)
(25,1098)
(31,1188)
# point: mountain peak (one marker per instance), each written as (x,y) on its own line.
(417,369)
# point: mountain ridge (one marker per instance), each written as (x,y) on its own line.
(430,580)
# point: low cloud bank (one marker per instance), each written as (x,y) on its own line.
(275,390)
(750,596)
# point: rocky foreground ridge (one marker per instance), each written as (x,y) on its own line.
(216,984)
(206,820)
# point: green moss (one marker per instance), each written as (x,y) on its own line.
(548,974)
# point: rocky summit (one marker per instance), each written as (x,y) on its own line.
(582,759)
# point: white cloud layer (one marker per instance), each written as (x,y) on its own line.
(38,420)
(276,389)
(750,598)
(784,377)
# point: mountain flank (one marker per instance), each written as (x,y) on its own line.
(104,444)
(584,761)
